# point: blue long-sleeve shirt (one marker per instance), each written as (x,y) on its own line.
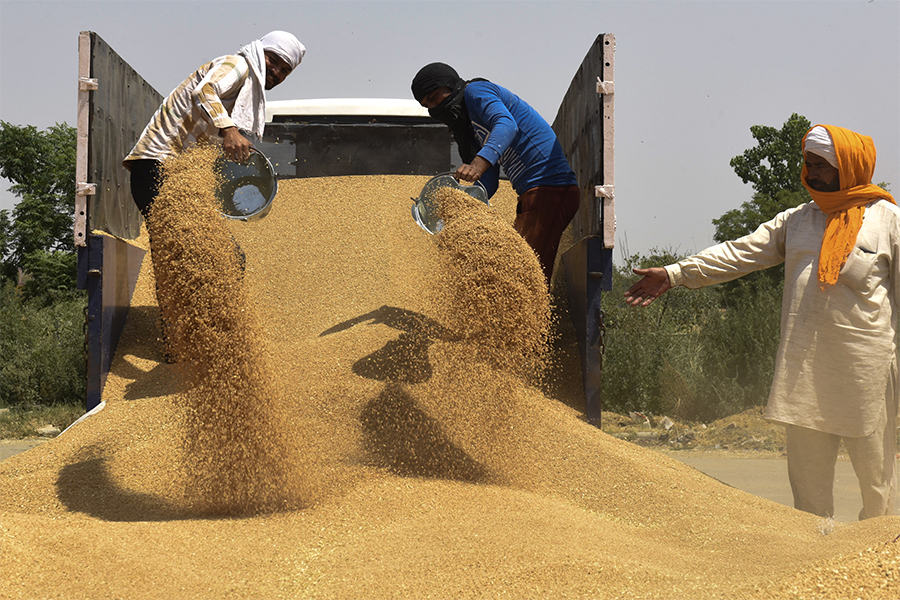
(513,135)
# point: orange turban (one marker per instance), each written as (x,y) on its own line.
(856,165)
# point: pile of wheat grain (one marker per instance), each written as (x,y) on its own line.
(489,288)
(433,476)
(489,315)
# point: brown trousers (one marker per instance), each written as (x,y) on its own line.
(542,214)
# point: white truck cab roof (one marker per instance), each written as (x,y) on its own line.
(348,107)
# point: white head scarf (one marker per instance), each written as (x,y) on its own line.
(249,113)
(285,45)
(819,142)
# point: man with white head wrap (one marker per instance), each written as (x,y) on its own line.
(818,142)
(215,103)
(836,369)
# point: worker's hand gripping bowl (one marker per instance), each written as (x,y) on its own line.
(247,189)
(426,211)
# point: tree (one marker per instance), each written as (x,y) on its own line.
(775,163)
(39,238)
(773,166)
(42,325)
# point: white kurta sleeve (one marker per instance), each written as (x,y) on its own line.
(759,250)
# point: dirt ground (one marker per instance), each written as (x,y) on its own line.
(746,433)
(447,480)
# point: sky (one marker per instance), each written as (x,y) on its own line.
(691,77)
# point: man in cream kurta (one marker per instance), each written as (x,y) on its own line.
(836,367)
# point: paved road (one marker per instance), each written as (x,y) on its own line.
(764,477)
(12,447)
(767,478)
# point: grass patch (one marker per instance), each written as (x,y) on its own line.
(18,423)
(745,431)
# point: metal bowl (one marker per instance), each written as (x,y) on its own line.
(247,189)
(425,209)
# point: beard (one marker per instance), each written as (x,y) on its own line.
(821,186)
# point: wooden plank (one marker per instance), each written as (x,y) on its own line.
(121,107)
(607,110)
(83,131)
(114,105)
(585,128)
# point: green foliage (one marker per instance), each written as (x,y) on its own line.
(649,348)
(737,349)
(41,165)
(42,321)
(49,273)
(776,162)
(20,422)
(5,232)
(704,354)
(41,348)
(686,355)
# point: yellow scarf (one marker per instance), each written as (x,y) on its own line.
(845,208)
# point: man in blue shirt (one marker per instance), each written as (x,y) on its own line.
(493,127)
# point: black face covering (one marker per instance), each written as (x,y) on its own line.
(431,77)
(453,113)
(452,110)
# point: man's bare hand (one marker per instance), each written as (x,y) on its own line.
(653,284)
(473,171)
(235,145)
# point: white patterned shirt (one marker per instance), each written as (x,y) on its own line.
(195,111)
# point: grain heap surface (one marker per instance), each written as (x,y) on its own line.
(433,476)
